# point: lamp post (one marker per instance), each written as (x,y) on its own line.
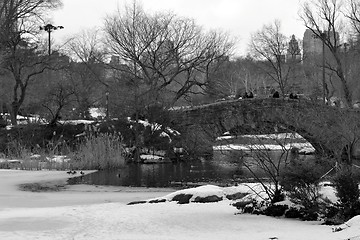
(107,104)
(345,60)
(323,36)
(49,28)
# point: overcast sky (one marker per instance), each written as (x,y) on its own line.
(240,18)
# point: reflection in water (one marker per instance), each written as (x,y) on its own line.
(223,168)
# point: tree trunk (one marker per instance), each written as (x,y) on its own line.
(56,117)
(347,93)
(19,92)
(15,106)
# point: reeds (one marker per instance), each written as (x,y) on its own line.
(104,151)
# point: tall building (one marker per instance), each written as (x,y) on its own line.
(312,45)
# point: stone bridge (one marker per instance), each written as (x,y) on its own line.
(330,130)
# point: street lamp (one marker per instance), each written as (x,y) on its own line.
(107,104)
(345,59)
(323,36)
(49,28)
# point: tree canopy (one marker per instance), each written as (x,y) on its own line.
(164,51)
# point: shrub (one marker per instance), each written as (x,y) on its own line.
(104,151)
(270,164)
(347,187)
(309,215)
(276,210)
(293,213)
(347,190)
(301,181)
(52,139)
(302,213)
(196,142)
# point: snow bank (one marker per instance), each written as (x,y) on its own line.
(351,228)
(96,212)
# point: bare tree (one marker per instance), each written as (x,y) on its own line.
(270,163)
(353,14)
(87,46)
(87,72)
(352,55)
(234,78)
(251,76)
(57,99)
(20,20)
(226,81)
(165,51)
(164,57)
(270,46)
(325,19)
(22,56)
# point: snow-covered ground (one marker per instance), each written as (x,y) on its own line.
(97,212)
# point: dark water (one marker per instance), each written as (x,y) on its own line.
(223,168)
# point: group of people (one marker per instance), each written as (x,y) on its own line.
(291,95)
(248,95)
(275,94)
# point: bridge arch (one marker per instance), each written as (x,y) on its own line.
(328,129)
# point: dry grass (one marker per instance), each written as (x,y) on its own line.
(104,151)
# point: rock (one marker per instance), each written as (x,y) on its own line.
(136,202)
(182,198)
(208,199)
(242,204)
(235,196)
(157,201)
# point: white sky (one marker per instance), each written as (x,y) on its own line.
(240,18)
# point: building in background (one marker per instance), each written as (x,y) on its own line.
(313,46)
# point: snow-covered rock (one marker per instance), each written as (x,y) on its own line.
(210,193)
(150,159)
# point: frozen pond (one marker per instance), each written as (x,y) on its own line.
(224,167)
